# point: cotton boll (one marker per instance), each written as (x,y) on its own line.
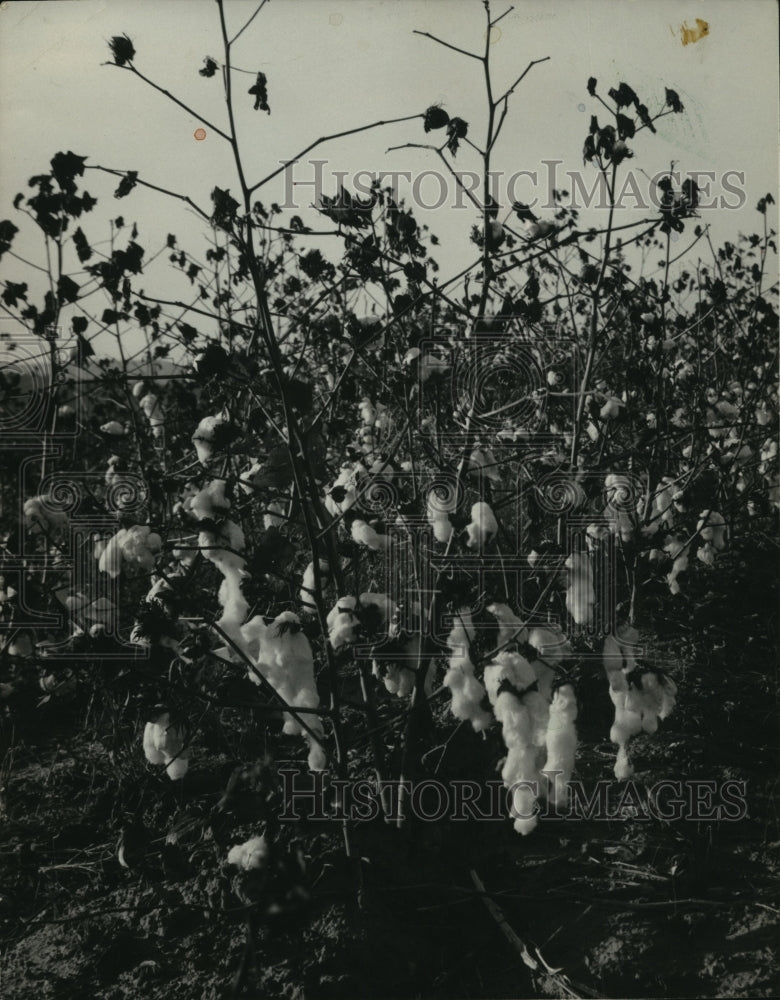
(163,744)
(467,692)
(40,515)
(205,435)
(552,647)
(561,741)
(678,550)
(611,409)
(482,462)
(364,534)
(150,405)
(618,490)
(177,768)
(343,493)
(438,509)
(21,645)
(342,622)
(712,528)
(274,516)
(308,586)
(113,427)
(510,627)
(110,555)
(595,535)
(317,759)
(210,502)
(662,506)
(483,526)
(252,855)
(580,596)
(430,365)
(366,412)
(627,723)
(287,662)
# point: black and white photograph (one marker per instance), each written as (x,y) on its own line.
(389,500)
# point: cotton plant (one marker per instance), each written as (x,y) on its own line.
(163,743)
(467,692)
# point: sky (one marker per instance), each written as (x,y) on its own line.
(336,64)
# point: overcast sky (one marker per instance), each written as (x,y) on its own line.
(336,64)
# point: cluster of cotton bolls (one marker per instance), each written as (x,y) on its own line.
(467,692)
(283,655)
(164,744)
(344,618)
(397,658)
(524,715)
(399,671)
(639,707)
(137,545)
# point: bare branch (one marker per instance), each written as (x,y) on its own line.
(463,52)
